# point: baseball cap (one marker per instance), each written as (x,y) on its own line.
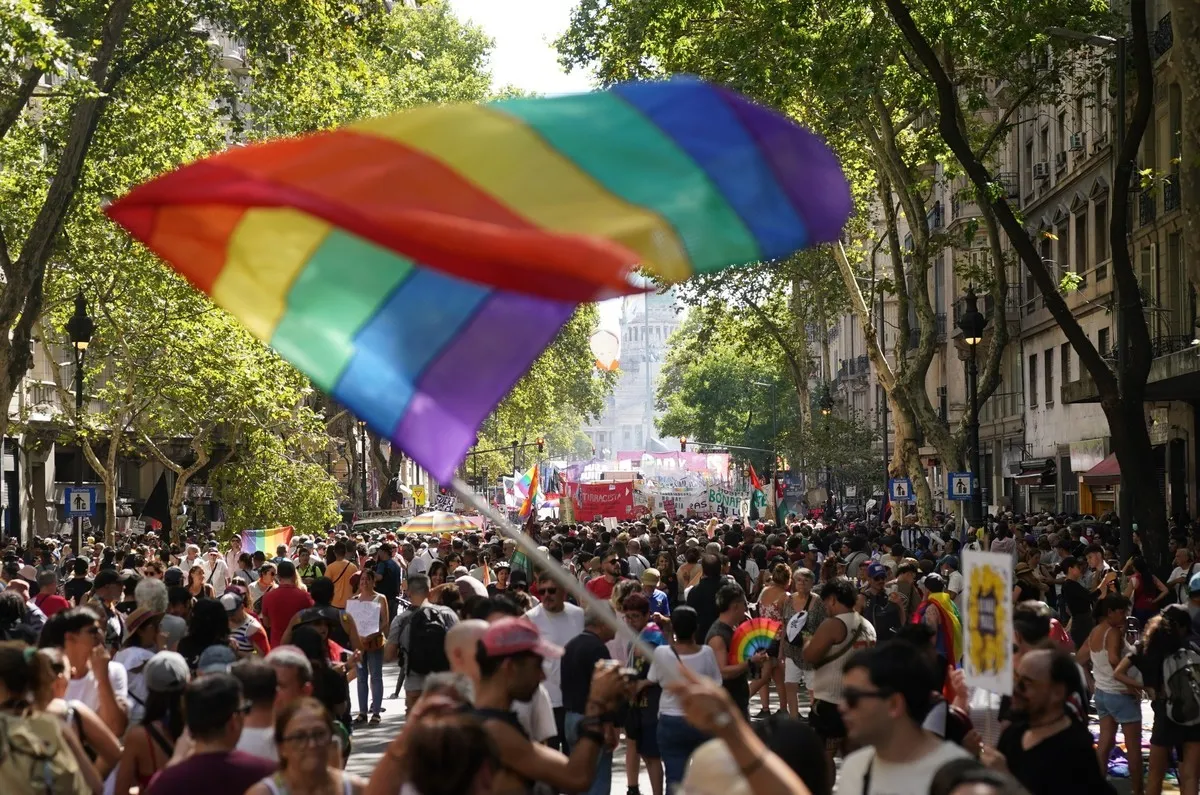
(166,672)
(877,570)
(215,659)
(173,577)
(1194,583)
(510,636)
(231,602)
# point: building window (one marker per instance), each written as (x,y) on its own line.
(1033,374)
(1045,141)
(1102,342)
(1101,211)
(1064,357)
(1048,362)
(1062,131)
(1063,255)
(1081,241)
(1029,166)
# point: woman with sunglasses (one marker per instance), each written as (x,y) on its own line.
(303,731)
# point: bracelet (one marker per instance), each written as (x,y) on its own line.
(758,762)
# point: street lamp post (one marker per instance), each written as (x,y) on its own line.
(972,324)
(79,330)
(515,446)
(827,409)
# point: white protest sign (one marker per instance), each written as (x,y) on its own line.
(987,623)
(365,615)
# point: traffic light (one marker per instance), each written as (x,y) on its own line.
(541,444)
(683,444)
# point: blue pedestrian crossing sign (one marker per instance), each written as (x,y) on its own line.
(960,486)
(81,501)
(900,490)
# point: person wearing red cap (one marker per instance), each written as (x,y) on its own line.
(510,656)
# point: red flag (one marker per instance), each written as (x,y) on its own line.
(755,483)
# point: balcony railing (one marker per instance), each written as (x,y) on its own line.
(1171,343)
(1162,38)
(1171,193)
(1011,183)
(1147,207)
(1002,405)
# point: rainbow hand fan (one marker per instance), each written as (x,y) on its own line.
(752,637)
(415,265)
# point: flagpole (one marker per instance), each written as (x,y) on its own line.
(556,572)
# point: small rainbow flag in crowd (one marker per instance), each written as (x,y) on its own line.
(266,540)
(415,265)
(533,496)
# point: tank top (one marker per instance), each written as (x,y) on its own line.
(827,680)
(1143,598)
(276,785)
(242,632)
(1102,670)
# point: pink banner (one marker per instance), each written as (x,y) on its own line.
(715,463)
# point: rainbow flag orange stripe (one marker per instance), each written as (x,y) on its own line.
(266,540)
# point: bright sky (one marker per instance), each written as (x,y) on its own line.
(524,32)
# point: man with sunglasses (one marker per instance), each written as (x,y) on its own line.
(886,692)
(215,710)
(559,623)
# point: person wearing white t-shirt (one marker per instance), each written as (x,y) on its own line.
(886,692)
(677,738)
(95,680)
(1185,567)
(558,622)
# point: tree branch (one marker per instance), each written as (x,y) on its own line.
(981,178)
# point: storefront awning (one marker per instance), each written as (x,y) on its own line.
(1036,473)
(1106,473)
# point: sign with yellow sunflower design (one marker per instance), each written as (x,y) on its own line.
(987,621)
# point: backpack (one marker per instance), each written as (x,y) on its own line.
(1181,686)
(35,758)
(427,640)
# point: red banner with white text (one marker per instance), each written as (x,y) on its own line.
(604,499)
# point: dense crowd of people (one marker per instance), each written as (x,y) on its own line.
(153,667)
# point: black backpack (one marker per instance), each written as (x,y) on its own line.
(427,640)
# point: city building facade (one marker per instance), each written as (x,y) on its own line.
(627,423)
(1044,442)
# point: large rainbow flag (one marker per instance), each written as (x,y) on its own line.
(266,540)
(415,265)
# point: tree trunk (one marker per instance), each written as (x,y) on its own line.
(1185,19)
(1131,442)
(907,461)
(21,302)
(108,476)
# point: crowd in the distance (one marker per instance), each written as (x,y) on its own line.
(153,667)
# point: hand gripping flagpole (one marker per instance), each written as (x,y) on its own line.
(556,572)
